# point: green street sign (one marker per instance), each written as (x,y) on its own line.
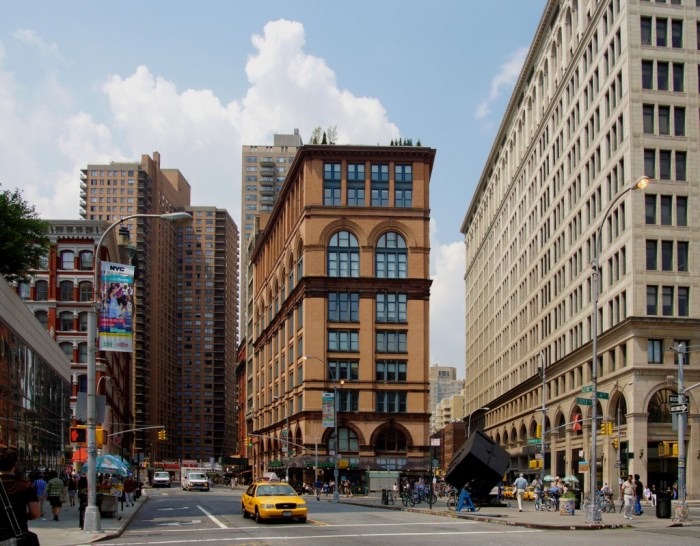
(587,388)
(534,440)
(603,395)
(584,401)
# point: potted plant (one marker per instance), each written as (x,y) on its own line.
(567,504)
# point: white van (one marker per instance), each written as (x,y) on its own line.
(161,479)
(195,479)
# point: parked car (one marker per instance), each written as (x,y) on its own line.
(273,500)
(161,479)
(195,480)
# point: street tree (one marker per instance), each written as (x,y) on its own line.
(23,237)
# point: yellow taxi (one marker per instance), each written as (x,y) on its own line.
(273,500)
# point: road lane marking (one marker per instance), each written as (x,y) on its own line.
(213,518)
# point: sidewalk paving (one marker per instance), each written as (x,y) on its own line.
(66,531)
(529,517)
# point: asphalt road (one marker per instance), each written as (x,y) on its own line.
(173,517)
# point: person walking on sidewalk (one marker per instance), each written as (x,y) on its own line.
(520,486)
(638,492)
(40,486)
(53,491)
(22,497)
(628,493)
(129,488)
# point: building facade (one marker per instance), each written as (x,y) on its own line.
(341,303)
(34,389)
(208,321)
(60,295)
(608,93)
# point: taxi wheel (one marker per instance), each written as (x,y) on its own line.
(245,514)
(257,517)
(302,520)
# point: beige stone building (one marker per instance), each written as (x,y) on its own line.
(341,300)
(608,93)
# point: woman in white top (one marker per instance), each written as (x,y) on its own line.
(628,492)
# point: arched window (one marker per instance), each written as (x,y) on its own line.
(67,348)
(43,318)
(42,290)
(390,258)
(65,321)
(68,260)
(348,440)
(391,439)
(659,408)
(82,353)
(85,291)
(343,255)
(67,291)
(86,261)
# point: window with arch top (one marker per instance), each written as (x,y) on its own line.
(391,257)
(343,255)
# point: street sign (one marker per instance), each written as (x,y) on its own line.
(587,388)
(617,465)
(678,399)
(534,441)
(584,401)
(603,395)
(681,408)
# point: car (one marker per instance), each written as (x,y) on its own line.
(195,480)
(268,500)
(161,479)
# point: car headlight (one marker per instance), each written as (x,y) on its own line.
(267,506)
(301,505)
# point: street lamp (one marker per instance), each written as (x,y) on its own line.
(595,516)
(544,414)
(336,489)
(469,419)
(92,522)
(286,436)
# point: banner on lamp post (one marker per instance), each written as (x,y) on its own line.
(116,323)
(327,406)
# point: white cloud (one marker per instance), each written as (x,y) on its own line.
(29,37)
(447,313)
(503,81)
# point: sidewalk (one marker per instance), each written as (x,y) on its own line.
(529,517)
(66,532)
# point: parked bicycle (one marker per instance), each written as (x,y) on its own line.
(407,498)
(604,502)
(423,495)
(387,496)
(545,501)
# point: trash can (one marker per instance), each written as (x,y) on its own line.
(578,493)
(663,505)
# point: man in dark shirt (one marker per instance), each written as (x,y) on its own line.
(638,492)
(22,496)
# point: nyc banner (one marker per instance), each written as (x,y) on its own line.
(116,323)
(327,409)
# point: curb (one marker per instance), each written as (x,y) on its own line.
(124,522)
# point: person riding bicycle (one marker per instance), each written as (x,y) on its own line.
(465,499)
(537,486)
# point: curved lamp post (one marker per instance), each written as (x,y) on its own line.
(92,523)
(595,516)
(336,489)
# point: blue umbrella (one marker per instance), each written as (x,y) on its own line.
(110,464)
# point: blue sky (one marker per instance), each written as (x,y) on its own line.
(85,81)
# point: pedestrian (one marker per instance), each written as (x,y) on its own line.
(628,493)
(40,486)
(82,498)
(72,489)
(520,486)
(129,488)
(653,495)
(54,488)
(638,493)
(537,487)
(23,500)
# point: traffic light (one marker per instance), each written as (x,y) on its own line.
(610,428)
(78,435)
(100,436)
(162,434)
(250,441)
(615,443)
(535,463)
(538,431)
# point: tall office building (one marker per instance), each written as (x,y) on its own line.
(607,93)
(113,191)
(207,285)
(264,170)
(341,291)
(444,384)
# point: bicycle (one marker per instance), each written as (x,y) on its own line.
(424,495)
(387,496)
(604,502)
(545,501)
(407,498)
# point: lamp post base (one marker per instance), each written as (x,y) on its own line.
(680,511)
(594,516)
(92,523)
